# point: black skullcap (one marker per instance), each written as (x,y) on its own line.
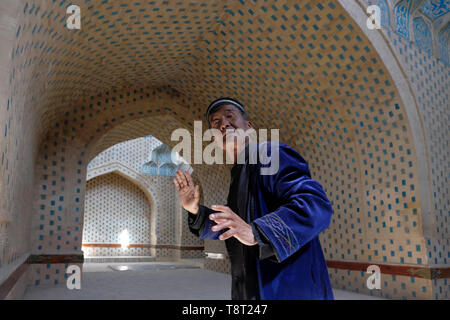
(223,101)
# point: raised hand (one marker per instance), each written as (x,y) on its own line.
(188,193)
(238,228)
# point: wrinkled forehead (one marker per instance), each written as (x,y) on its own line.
(223,108)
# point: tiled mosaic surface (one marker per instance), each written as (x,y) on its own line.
(133,153)
(434,9)
(392,286)
(108,252)
(169,222)
(41,274)
(301,66)
(112,205)
(430,80)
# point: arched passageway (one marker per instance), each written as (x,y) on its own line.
(365,108)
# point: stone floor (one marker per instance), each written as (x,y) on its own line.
(182,280)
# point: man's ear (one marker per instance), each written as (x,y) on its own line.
(249,124)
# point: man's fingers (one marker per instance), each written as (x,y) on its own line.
(219,221)
(189,178)
(221,215)
(183,177)
(176,184)
(197,192)
(177,177)
(221,208)
(227,235)
(180,179)
(226,224)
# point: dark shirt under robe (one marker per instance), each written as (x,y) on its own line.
(287,210)
(244,284)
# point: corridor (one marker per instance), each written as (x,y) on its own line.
(184,280)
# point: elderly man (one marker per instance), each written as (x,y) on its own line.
(270,223)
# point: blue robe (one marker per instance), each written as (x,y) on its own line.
(289,210)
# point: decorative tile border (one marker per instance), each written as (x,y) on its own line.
(10,282)
(55,258)
(143,245)
(424,272)
(434,9)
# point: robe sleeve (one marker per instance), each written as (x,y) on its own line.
(265,248)
(200,224)
(303,209)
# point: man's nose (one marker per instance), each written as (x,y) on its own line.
(225,124)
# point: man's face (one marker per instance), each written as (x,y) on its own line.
(227,119)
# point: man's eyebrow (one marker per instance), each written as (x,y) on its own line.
(229,109)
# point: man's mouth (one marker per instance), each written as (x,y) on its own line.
(228,131)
